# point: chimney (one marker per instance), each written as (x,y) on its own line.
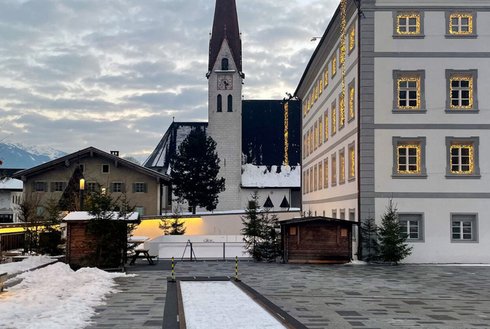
(115,153)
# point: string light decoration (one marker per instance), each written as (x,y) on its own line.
(460,24)
(325,76)
(352,167)
(462,86)
(405,152)
(334,119)
(325,173)
(352,100)
(334,65)
(343,29)
(462,159)
(325,116)
(352,38)
(408,24)
(341,167)
(286,133)
(406,85)
(341,110)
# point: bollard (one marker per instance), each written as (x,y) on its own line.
(173,270)
(236,268)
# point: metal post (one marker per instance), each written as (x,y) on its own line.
(173,270)
(236,268)
(192,251)
(224,254)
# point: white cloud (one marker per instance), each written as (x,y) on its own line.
(78,73)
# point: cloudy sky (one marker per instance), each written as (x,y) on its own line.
(113,73)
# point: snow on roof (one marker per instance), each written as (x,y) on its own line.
(84,215)
(11,184)
(262,176)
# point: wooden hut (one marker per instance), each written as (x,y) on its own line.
(317,240)
(79,242)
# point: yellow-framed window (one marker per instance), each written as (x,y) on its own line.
(461,23)
(409,158)
(461,92)
(408,24)
(461,160)
(409,93)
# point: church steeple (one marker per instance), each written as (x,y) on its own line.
(225,26)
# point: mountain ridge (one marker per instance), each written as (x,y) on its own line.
(16,155)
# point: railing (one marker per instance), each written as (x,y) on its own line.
(202,250)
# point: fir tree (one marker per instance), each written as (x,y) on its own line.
(392,241)
(259,231)
(70,199)
(173,225)
(194,172)
(369,240)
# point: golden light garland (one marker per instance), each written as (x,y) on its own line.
(352,99)
(343,27)
(456,29)
(286,134)
(418,158)
(320,175)
(352,166)
(320,130)
(471,164)
(334,119)
(409,79)
(325,82)
(341,167)
(334,65)
(325,173)
(352,38)
(407,17)
(470,87)
(326,126)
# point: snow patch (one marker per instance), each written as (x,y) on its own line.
(11,184)
(274,176)
(56,297)
(25,265)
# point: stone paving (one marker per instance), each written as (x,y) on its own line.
(325,296)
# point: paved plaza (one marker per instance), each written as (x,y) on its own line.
(323,296)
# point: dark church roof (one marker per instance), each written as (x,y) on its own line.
(225,26)
(262,136)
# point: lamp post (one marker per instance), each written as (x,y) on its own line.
(82,188)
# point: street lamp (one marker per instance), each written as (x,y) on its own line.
(82,188)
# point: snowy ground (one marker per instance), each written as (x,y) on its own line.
(25,265)
(217,305)
(55,297)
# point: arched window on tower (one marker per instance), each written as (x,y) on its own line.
(230,103)
(219,103)
(224,64)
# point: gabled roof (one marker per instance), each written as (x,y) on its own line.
(225,26)
(87,152)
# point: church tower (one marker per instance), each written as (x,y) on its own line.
(225,78)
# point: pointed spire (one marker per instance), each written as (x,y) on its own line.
(225,26)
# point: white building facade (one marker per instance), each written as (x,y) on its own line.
(423,128)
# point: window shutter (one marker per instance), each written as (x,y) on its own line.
(52,186)
(45,187)
(123,188)
(145,187)
(111,187)
(134,187)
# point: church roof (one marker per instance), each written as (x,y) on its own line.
(225,26)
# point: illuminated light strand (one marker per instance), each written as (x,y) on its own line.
(352,38)
(334,119)
(470,87)
(471,164)
(286,134)
(342,167)
(460,17)
(343,26)
(407,17)
(352,163)
(418,158)
(352,95)
(409,79)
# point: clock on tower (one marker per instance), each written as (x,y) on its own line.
(225,82)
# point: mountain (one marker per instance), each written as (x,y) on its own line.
(23,157)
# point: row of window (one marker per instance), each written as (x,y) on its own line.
(316,177)
(332,67)
(42,186)
(219,103)
(462,156)
(409,90)
(328,124)
(411,24)
(104,168)
(463,227)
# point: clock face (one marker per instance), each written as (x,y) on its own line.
(225,82)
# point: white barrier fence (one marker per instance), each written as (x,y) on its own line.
(198,247)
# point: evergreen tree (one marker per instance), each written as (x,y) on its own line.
(392,241)
(50,238)
(173,225)
(369,240)
(109,229)
(194,172)
(259,231)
